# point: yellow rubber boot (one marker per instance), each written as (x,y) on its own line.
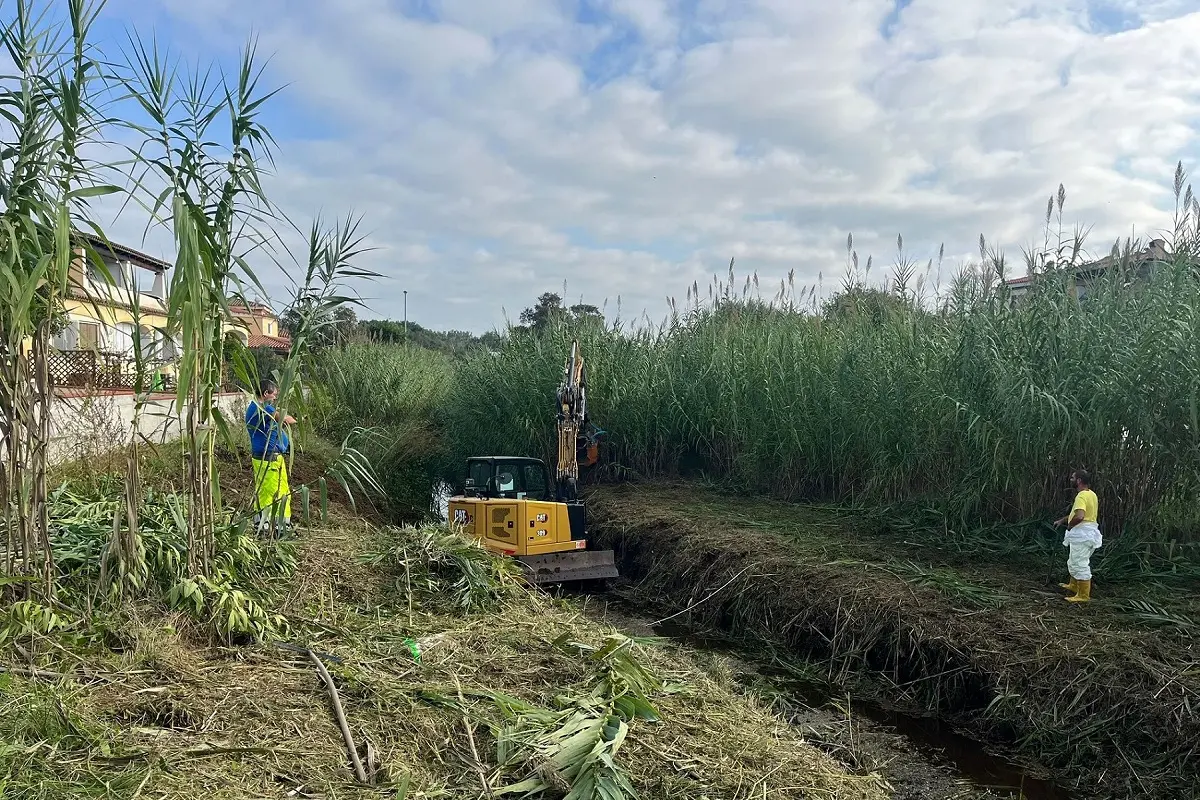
(1083,593)
(1072,586)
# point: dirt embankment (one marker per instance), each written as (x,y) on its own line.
(1091,691)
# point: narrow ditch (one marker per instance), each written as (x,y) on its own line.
(806,700)
(923,758)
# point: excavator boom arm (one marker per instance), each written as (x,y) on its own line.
(572,421)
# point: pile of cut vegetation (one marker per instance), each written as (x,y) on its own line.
(397,662)
(1104,693)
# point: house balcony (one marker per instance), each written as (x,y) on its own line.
(97,370)
(86,371)
(95,293)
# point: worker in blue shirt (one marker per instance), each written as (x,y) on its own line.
(269,443)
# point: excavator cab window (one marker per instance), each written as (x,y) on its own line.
(536,485)
(511,480)
(480,473)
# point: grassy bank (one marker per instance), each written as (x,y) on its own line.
(1102,694)
(454,679)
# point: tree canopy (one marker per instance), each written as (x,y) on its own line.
(549,308)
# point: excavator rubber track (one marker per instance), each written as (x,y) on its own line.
(572,565)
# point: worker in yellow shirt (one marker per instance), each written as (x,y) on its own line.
(1082,537)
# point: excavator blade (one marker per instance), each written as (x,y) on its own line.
(572,565)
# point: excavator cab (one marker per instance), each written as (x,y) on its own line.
(510,478)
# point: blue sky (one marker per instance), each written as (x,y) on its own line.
(630,147)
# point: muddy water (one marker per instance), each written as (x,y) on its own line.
(967,757)
(921,757)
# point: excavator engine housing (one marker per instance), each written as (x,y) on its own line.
(510,505)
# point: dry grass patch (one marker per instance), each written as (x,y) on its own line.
(457,694)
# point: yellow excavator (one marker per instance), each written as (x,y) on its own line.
(510,504)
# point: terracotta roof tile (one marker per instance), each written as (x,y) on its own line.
(272,342)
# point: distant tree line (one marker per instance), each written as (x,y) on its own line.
(452,343)
(548,309)
(343,325)
(854,300)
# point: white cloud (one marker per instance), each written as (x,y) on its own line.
(528,17)
(494,155)
(651,18)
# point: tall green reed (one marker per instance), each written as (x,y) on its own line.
(50,118)
(398,394)
(955,398)
(200,174)
(203,142)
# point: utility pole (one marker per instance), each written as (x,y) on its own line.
(406,317)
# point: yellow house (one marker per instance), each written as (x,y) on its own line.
(106,303)
(102,297)
(258,326)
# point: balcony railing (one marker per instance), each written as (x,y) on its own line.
(91,369)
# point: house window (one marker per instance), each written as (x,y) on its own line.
(147,342)
(67,338)
(121,340)
(89,336)
(157,346)
(109,272)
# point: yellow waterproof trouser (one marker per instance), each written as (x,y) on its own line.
(271,490)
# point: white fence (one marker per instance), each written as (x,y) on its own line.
(91,425)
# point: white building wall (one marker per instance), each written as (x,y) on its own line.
(89,426)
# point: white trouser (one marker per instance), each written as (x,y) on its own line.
(1081,541)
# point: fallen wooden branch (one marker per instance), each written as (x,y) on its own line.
(341,718)
(34,672)
(477,763)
